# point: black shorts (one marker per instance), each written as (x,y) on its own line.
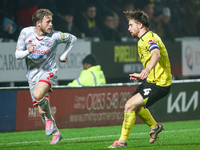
(151,93)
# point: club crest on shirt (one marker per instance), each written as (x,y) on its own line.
(48,44)
(152,42)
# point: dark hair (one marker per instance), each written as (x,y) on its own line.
(90,59)
(139,16)
(40,13)
(89,6)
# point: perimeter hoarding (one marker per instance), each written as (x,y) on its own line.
(116,59)
(95,106)
(8,110)
(119,59)
(13,70)
(75,108)
(182,103)
(191,58)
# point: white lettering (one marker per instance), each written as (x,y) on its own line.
(147,91)
(94,117)
(33,112)
(184,107)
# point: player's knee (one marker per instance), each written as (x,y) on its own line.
(129,107)
(37,95)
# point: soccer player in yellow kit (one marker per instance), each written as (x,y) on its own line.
(156,75)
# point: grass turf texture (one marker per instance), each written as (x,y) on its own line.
(182,135)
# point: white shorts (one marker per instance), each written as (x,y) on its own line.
(46,77)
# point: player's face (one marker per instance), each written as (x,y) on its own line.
(46,24)
(133,28)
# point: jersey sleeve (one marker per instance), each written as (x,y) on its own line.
(21,51)
(63,37)
(152,44)
(67,38)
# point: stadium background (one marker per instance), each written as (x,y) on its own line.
(117,59)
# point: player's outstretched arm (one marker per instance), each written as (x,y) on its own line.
(63,57)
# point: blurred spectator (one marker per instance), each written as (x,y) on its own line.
(113,5)
(63,21)
(91,75)
(177,13)
(108,28)
(169,34)
(123,21)
(192,16)
(145,5)
(25,10)
(160,23)
(48,4)
(8,28)
(87,22)
(116,20)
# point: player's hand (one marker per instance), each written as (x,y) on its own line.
(31,48)
(144,74)
(63,61)
(134,76)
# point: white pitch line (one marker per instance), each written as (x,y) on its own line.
(93,137)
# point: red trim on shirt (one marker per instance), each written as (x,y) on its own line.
(39,39)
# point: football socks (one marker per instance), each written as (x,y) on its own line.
(129,120)
(146,116)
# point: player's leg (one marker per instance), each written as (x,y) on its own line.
(40,94)
(42,99)
(146,116)
(41,112)
(132,105)
(51,127)
(155,93)
(40,90)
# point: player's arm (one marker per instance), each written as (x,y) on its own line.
(155,56)
(68,47)
(21,51)
(20,54)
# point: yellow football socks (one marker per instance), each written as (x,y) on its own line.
(129,120)
(146,116)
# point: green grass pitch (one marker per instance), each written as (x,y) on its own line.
(181,135)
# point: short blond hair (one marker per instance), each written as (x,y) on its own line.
(39,15)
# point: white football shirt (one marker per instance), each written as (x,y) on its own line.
(43,57)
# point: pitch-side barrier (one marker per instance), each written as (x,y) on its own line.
(78,107)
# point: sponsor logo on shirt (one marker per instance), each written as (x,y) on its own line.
(38,54)
(41,51)
(48,43)
(152,42)
(63,35)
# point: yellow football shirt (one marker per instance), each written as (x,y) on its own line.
(161,73)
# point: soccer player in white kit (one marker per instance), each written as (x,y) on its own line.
(38,45)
